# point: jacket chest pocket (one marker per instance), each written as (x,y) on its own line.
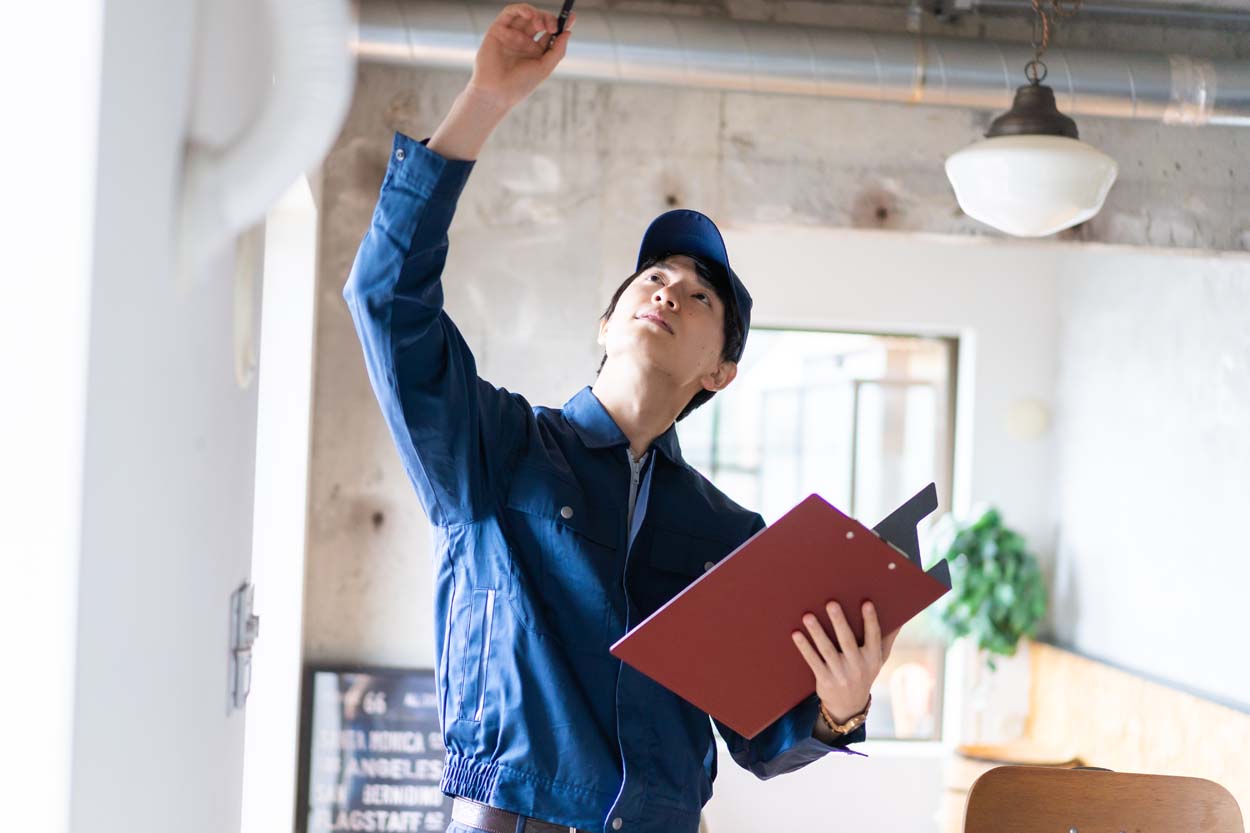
(676,559)
(567,559)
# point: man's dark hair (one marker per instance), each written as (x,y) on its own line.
(720,285)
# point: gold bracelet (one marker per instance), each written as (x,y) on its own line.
(824,716)
(840,728)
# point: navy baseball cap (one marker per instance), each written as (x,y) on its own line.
(683,231)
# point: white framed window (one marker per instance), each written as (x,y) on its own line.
(863,420)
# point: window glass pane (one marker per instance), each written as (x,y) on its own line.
(896,450)
(861,420)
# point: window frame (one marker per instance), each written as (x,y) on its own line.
(946,706)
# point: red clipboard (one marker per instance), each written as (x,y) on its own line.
(724,642)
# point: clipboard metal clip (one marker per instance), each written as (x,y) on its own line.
(899,530)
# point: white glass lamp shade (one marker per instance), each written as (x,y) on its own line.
(1030,185)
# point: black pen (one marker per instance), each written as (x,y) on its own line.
(564,15)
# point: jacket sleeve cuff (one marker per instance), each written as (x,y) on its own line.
(842,742)
(415,167)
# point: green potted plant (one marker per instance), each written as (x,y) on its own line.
(997,595)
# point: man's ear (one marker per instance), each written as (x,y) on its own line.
(603,331)
(725,373)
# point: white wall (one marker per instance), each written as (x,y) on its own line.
(127,442)
(891,791)
(167,466)
(271,737)
(46,223)
(1154,455)
(997,296)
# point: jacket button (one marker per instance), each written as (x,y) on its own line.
(399,154)
(707,565)
(566,512)
(617,823)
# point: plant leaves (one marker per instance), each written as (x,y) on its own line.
(999,594)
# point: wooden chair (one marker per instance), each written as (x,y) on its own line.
(1026,799)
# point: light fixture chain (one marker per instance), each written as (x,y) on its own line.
(1045,13)
(1041,23)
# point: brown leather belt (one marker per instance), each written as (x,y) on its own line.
(494,820)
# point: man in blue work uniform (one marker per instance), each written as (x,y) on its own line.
(557,530)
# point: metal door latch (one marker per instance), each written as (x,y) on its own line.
(244,628)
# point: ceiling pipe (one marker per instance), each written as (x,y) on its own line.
(1198,17)
(240,159)
(819,61)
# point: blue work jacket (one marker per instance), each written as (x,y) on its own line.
(536,572)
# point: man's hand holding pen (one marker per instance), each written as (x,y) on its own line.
(514,58)
(517,55)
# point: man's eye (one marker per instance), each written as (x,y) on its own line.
(655,276)
(702,297)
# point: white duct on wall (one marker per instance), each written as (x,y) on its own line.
(274,80)
(810,60)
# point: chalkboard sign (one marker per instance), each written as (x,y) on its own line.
(371,752)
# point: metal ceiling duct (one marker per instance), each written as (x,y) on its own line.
(809,60)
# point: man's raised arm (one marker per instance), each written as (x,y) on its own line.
(454,430)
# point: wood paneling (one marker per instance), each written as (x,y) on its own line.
(1113,719)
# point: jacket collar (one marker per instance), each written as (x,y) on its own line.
(596,428)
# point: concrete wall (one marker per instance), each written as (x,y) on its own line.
(550,224)
(1154,456)
(814,161)
(576,174)
(543,236)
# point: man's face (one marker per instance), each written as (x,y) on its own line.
(671,321)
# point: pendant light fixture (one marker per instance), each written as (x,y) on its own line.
(1032,176)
